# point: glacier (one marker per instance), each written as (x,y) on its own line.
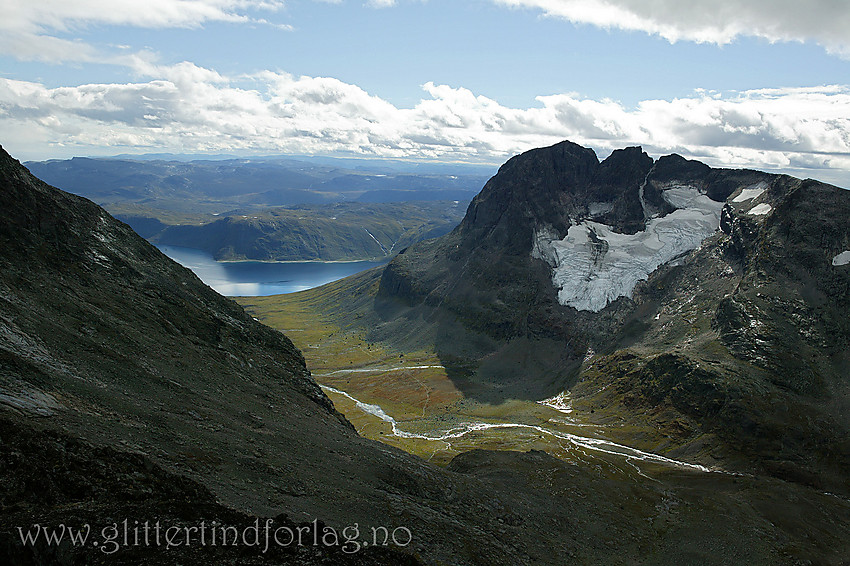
(594,265)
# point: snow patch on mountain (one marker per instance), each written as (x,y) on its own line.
(751,192)
(760,209)
(594,265)
(841,259)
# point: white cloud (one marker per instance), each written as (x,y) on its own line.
(712,21)
(186,108)
(61,14)
(29,30)
(33,30)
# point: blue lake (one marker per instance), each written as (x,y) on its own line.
(257,278)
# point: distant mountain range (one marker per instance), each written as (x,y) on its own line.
(345,209)
(130,390)
(217,186)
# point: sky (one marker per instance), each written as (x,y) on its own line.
(763,84)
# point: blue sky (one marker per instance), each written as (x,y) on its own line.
(753,83)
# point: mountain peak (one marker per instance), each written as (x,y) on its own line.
(526,191)
(551,187)
(717,296)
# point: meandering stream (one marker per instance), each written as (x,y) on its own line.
(457,431)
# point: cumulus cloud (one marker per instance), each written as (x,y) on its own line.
(187,108)
(31,30)
(712,21)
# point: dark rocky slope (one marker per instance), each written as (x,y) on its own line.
(52,479)
(105,339)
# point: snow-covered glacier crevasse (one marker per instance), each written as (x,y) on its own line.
(594,265)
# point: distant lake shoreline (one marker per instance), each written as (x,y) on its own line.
(262,278)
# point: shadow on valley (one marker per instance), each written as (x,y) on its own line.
(485,368)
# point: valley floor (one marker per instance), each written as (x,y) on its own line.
(406,399)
